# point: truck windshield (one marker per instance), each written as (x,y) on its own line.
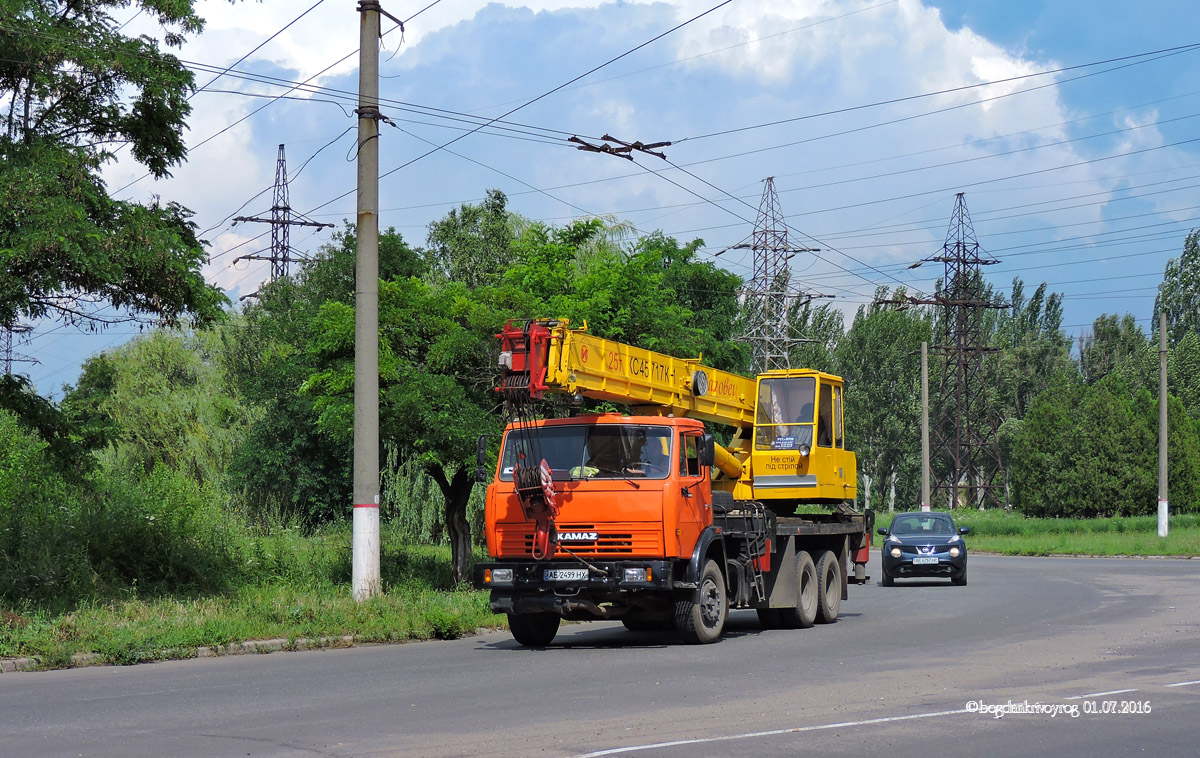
(785,413)
(596,451)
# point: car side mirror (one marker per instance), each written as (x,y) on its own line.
(964,530)
(883,530)
(708,450)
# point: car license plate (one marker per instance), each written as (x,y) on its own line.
(565,575)
(924,560)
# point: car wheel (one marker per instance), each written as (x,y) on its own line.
(804,614)
(533,629)
(701,623)
(829,587)
(888,579)
(961,580)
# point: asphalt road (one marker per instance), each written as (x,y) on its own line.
(898,674)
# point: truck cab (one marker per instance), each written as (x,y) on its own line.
(628,487)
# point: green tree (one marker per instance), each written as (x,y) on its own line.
(1112,342)
(1179,293)
(436,357)
(821,328)
(471,244)
(879,357)
(1033,349)
(286,467)
(1087,451)
(162,399)
(72,88)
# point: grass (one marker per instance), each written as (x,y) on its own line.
(1012,534)
(297,588)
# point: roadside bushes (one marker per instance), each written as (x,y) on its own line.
(111,532)
(1085,451)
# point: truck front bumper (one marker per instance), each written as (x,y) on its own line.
(569,588)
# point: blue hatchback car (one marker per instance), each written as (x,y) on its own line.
(924,543)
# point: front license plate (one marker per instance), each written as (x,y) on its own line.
(565,575)
(925,560)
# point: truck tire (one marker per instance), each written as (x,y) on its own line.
(829,587)
(804,614)
(703,622)
(533,629)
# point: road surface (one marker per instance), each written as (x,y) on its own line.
(918,669)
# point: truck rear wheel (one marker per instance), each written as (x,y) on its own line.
(805,613)
(701,623)
(829,587)
(533,629)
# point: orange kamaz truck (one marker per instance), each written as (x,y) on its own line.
(645,518)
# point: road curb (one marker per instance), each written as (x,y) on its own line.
(13,665)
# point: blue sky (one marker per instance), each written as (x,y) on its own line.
(1083,179)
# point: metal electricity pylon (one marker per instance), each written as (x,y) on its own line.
(770,297)
(967,440)
(282,219)
(7,356)
(965,454)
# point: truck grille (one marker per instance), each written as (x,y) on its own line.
(611,540)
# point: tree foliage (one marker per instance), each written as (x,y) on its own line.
(73,90)
(1179,293)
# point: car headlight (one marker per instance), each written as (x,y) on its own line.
(955,538)
(895,552)
(954,552)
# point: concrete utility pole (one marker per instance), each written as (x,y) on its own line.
(924,426)
(1162,425)
(365,575)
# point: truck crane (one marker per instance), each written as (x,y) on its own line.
(645,518)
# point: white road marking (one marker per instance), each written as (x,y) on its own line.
(771,733)
(1099,694)
(1183,684)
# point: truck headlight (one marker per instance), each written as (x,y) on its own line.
(497,576)
(637,574)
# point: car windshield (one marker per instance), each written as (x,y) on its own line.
(596,451)
(929,524)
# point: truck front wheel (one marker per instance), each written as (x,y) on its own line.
(533,629)
(701,623)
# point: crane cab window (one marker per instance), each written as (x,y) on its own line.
(825,417)
(837,416)
(785,413)
(689,455)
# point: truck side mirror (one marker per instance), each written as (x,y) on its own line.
(481,450)
(481,474)
(708,450)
